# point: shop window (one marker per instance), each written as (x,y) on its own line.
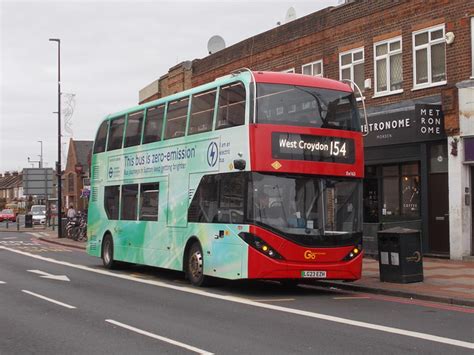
(392,192)
(429,57)
(388,66)
(439,158)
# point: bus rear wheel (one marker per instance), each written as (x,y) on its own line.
(195,266)
(108,252)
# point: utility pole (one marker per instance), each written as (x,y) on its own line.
(58,163)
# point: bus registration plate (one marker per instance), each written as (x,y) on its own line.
(314,274)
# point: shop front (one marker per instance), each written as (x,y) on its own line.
(406,173)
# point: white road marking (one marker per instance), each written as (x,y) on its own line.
(50,276)
(49,299)
(2,282)
(159,337)
(275,300)
(351,298)
(9,238)
(424,336)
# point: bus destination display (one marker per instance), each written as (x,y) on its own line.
(293,146)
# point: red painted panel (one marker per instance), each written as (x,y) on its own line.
(326,259)
(261,152)
(299,79)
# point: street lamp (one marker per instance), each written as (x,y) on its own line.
(58,164)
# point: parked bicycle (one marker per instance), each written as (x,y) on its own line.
(76,228)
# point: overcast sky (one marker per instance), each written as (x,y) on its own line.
(109,51)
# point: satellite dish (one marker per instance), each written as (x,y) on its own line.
(290,15)
(215,44)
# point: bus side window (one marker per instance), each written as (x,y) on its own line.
(231,201)
(176,118)
(129,202)
(202,112)
(112,201)
(101,138)
(149,201)
(133,133)
(116,133)
(231,110)
(153,124)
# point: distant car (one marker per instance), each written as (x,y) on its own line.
(39,214)
(7,215)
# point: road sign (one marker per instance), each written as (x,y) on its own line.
(38,181)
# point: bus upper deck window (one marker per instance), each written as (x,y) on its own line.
(153,124)
(133,133)
(116,133)
(202,112)
(176,118)
(231,111)
(101,138)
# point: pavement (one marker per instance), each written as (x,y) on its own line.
(445,281)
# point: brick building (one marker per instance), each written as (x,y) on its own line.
(76,174)
(414,62)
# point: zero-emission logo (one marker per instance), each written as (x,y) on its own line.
(212,154)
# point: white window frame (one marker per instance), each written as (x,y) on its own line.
(378,93)
(472,47)
(311,65)
(289,70)
(351,66)
(428,55)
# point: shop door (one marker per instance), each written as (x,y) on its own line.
(472,210)
(438,214)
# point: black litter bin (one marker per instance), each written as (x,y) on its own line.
(28,221)
(400,257)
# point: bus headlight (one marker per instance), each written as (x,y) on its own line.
(353,253)
(259,244)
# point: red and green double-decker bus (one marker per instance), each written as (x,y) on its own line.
(257,175)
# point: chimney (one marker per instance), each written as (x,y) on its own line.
(7,173)
(15,173)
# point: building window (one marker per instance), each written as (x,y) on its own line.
(351,66)
(70,183)
(314,69)
(429,57)
(388,66)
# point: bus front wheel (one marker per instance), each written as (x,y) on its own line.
(195,266)
(108,252)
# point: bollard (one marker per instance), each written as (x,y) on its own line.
(17,223)
(54,222)
(7,223)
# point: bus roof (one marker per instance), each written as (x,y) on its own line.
(299,79)
(245,76)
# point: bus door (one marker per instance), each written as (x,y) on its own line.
(227,248)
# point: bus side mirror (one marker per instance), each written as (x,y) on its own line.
(239,164)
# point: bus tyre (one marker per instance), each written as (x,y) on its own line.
(108,252)
(195,266)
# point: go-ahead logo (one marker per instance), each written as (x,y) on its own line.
(212,154)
